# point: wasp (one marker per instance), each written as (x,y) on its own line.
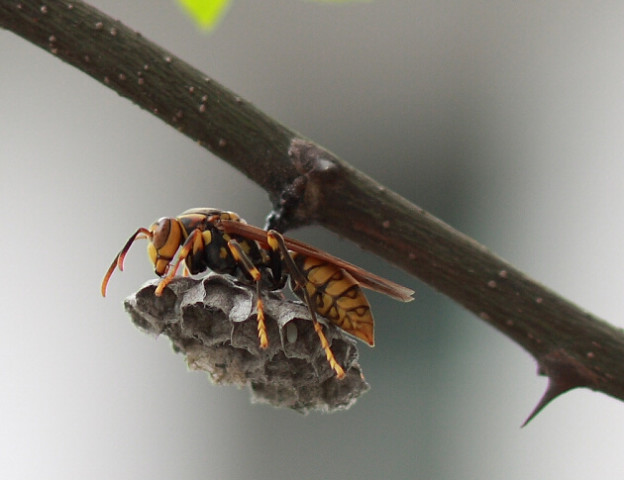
(221,241)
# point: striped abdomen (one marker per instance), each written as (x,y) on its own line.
(337,296)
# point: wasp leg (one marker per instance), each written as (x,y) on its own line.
(192,243)
(241,257)
(276,242)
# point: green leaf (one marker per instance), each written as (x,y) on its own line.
(206,13)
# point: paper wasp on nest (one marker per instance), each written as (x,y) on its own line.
(207,238)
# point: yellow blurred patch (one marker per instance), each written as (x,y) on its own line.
(206,13)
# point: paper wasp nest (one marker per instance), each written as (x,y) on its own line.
(212,322)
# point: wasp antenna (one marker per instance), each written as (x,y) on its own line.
(140,233)
(110,271)
(119,259)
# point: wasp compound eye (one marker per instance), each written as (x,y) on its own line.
(160,231)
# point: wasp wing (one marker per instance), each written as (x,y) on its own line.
(366,279)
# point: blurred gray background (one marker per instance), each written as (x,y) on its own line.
(502,118)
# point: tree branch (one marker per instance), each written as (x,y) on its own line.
(306,183)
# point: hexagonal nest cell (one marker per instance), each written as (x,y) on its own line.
(212,322)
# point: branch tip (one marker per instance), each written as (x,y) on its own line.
(553,390)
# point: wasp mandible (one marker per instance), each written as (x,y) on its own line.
(207,238)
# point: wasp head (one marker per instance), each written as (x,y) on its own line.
(164,238)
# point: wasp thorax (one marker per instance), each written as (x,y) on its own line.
(164,243)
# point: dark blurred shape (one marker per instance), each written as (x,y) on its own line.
(212,322)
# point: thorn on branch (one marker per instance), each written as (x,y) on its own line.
(212,322)
(553,390)
(564,373)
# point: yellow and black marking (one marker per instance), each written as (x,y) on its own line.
(299,284)
(337,296)
(207,238)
